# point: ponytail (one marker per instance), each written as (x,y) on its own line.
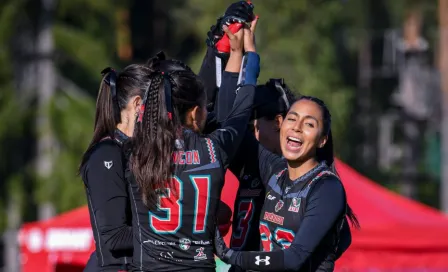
(107,114)
(326,154)
(153,141)
(173,90)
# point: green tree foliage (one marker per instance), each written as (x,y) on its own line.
(297,40)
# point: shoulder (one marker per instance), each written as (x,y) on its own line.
(106,154)
(328,185)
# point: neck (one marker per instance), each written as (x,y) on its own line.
(126,129)
(298,169)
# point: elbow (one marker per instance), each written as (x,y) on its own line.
(118,241)
(294,258)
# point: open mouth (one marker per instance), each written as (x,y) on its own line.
(294,143)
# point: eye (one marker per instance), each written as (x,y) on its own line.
(310,125)
(291,119)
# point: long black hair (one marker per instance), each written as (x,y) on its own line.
(116,89)
(326,153)
(174,90)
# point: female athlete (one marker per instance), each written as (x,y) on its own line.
(304,213)
(176,173)
(103,167)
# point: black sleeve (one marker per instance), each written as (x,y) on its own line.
(207,73)
(106,189)
(226,95)
(268,163)
(233,129)
(324,208)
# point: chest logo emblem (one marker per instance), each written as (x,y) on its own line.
(295,204)
(279,205)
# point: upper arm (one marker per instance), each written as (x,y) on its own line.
(207,73)
(107,190)
(105,174)
(226,95)
(235,126)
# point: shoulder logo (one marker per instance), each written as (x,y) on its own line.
(108,164)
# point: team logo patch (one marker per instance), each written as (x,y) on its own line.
(184,243)
(108,164)
(295,204)
(279,205)
(201,255)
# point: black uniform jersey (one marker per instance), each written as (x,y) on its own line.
(177,233)
(250,195)
(249,199)
(109,206)
(302,221)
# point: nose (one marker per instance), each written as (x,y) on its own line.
(297,126)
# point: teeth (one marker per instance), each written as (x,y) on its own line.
(294,139)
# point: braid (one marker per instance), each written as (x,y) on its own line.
(153,110)
(181,64)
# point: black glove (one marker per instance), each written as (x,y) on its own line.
(240,11)
(221,250)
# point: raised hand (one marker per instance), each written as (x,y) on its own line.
(236,39)
(249,36)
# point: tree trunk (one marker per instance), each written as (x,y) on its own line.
(46,85)
(443,65)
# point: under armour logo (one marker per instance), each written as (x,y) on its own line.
(108,164)
(260,260)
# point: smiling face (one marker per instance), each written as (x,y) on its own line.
(302,131)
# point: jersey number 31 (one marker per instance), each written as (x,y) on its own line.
(170,202)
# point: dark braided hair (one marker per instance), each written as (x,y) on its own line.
(158,128)
(326,153)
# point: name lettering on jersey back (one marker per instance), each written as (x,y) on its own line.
(272,217)
(186,157)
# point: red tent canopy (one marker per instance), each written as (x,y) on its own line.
(396,234)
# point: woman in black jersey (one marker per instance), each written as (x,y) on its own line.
(176,172)
(304,213)
(103,164)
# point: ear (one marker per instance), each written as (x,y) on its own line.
(195,113)
(256,130)
(135,103)
(194,118)
(323,140)
(278,121)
